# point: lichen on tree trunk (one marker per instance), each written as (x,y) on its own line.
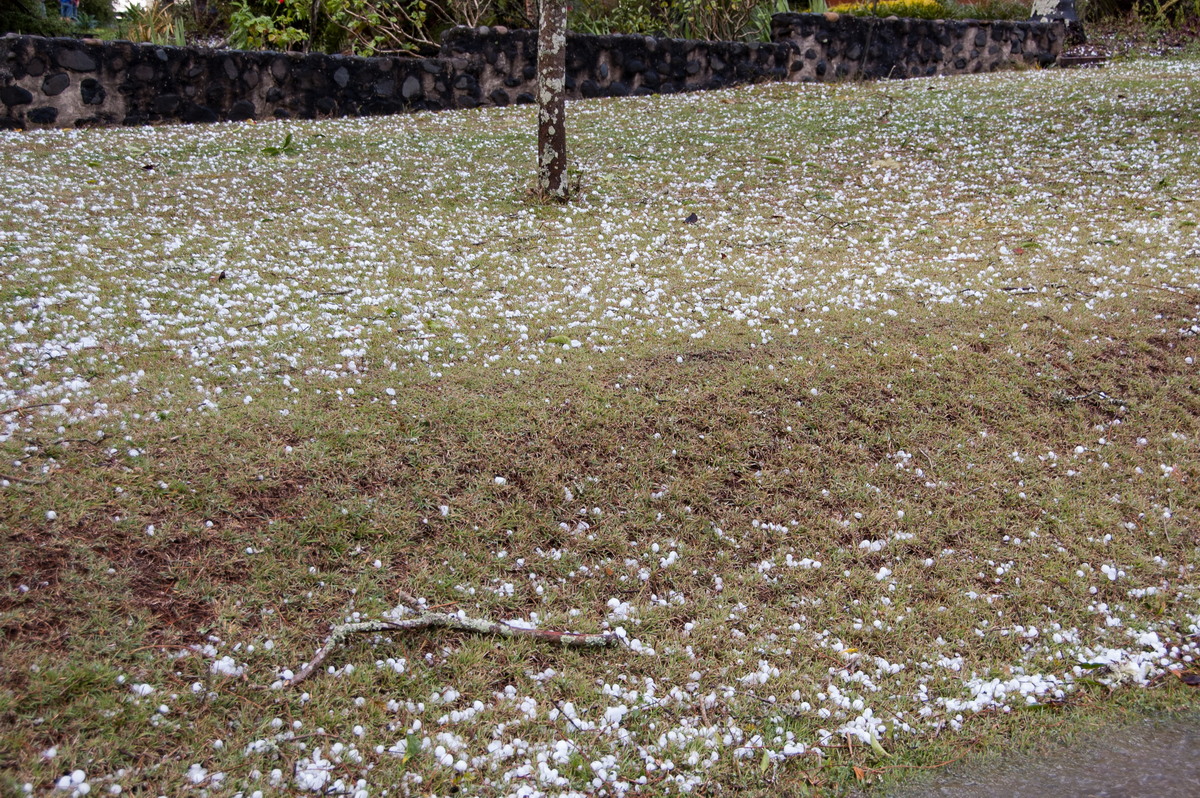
(551,97)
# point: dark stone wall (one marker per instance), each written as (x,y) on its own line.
(835,46)
(612,66)
(72,83)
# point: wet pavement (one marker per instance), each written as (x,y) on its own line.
(1150,758)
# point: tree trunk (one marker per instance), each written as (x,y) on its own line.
(552,106)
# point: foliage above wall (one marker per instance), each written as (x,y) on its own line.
(363,27)
(939,9)
(41,17)
(713,20)
(373,27)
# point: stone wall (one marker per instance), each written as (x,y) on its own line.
(70,83)
(833,46)
(503,62)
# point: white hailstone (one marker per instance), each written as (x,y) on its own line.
(226,666)
(313,774)
(51,515)
(500,481)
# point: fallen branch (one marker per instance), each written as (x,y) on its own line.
(423,618)
(22,409)
(916,767)
(23,480)
(1112,400)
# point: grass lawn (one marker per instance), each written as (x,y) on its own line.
(867,415)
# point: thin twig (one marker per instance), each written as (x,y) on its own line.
(23,408)
(562,712)
(96,442)
(423,618)
(916,767)
(23,481)
(168,646)
(1112,400)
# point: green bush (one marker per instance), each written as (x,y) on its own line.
(1180,14)
(600,17)
(365,27)
(716,20)
(32,17)
(41,17)
(1171,13)
(991,9)
(98,12)
(940,9)
(914,9)
(158,23)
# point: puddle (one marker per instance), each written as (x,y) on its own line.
(1150,758)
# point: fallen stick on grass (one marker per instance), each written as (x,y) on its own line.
(426,619)
(23,480)
(1112,400)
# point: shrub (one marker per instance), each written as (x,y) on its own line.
(158,23)
(940,9)
(365,27)
(22,17)
(40,17)
(915,9)
(715,20)
(991,9)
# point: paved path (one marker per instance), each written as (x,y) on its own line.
(1152,758)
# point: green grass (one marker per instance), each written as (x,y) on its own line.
(896,302)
